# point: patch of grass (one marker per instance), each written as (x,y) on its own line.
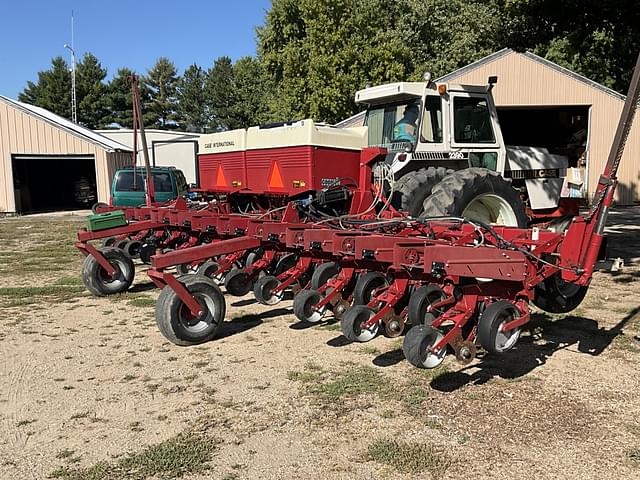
(65,453)
(142,302)
(69,281)
(370,350)
(129,377)
(18,296)
(332,327)
(331,388)
(186,453)
(634,455)
(409,457)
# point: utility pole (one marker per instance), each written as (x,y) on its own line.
(74,112)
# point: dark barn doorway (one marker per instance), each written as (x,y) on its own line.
(49,183)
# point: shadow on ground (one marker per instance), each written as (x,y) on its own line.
(547,336)
(249,321)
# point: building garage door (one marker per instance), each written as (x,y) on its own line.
(563,130)
(48,183)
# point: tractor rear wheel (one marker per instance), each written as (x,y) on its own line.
(477,194)
(96,279)
(176,322)
(413,188)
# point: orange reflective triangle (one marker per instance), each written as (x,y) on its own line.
(276,177)
(220,180)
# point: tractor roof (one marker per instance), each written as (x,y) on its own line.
(406,91)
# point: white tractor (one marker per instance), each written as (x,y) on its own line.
(448,156)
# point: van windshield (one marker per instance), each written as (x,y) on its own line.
(125,182)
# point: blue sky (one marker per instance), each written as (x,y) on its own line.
(123,33)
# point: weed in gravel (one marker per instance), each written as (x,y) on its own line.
(330,388)
(186,453)
(19,296)
(142,302)
(409,457)
(65,453)
(22,423)
(634,456)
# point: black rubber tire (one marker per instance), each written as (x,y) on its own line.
(97,207)
(237,283)
(121,244)
(412,189)
(554,295)
(132,248)
(208,269)
(97,282)
(253,257)
(323,273)
(350,324)
(284,263)
(457,190)
(109,242)
(365,286)
(303,306)
(172,315)
(415,347)
(147,250)
(262,290)
(420,301)
(184,269)
(489,322)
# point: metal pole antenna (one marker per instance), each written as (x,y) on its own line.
(74,112)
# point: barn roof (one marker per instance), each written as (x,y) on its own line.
(67,125)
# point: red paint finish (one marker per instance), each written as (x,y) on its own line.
(218,168)
(292,170)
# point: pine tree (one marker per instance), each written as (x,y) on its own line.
(91,90)
(219,92)
(53,89)
(193,111)
(160,107)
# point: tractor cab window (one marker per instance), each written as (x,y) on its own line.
(432,120)
(393,126)
(472,120)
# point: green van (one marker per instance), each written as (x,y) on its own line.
(127,189)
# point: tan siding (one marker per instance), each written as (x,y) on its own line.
(525,82)
(21,133)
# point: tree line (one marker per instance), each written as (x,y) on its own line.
(312,55)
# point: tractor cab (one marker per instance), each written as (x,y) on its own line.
(431,129)
(454,126)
